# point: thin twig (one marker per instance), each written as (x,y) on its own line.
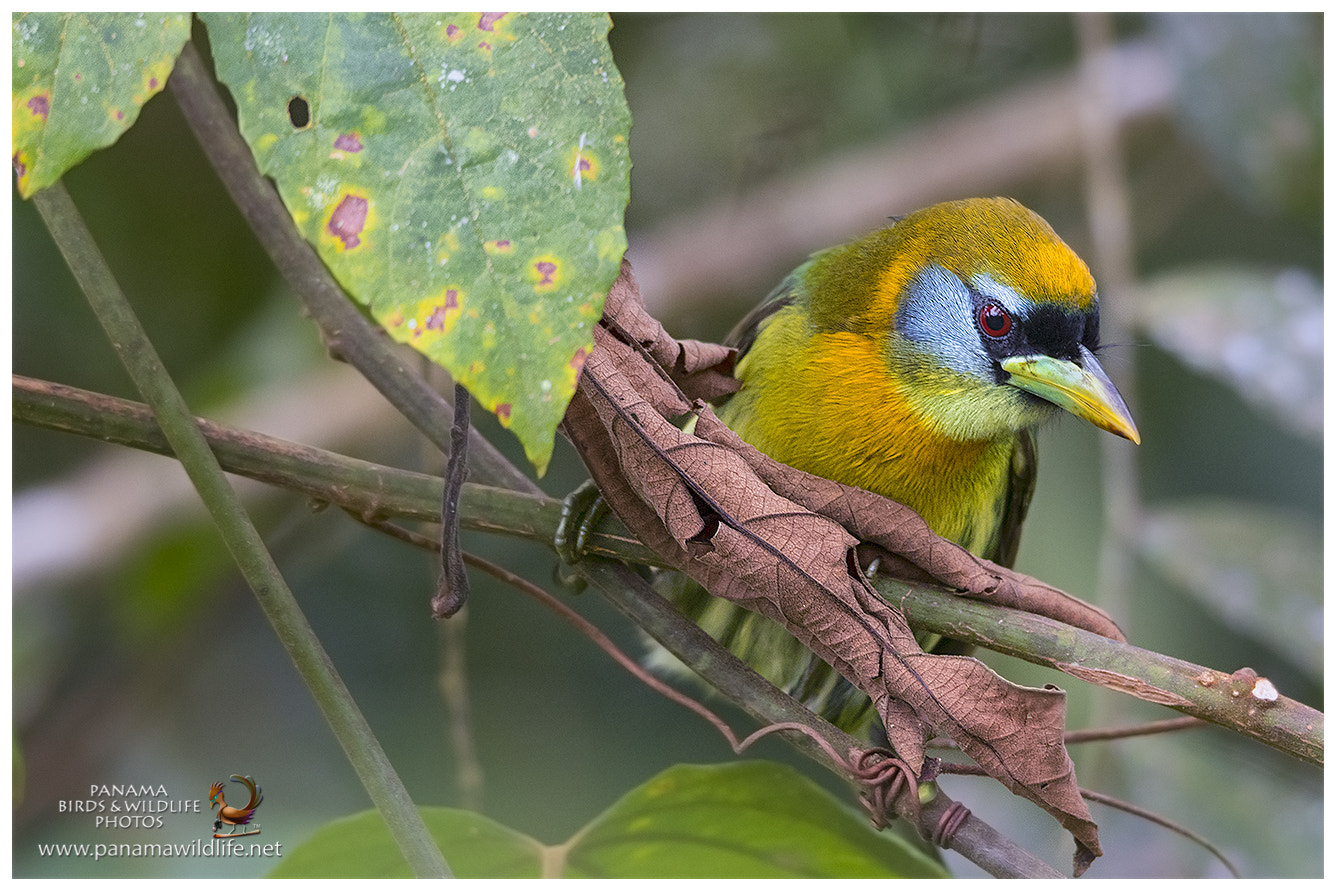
(604,643)
(1168,725)
(1135,810)
(151,378)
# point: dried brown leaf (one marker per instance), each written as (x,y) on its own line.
(701,370)
(783,543)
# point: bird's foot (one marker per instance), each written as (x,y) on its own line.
(582,512)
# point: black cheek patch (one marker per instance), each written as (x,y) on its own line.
(1090,337)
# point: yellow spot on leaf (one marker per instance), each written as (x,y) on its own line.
(546,273)
(23,166)
(30,109)
(434,317)
(152,79)
(351,215)
(583,164)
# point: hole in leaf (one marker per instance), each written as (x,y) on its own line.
(299,112)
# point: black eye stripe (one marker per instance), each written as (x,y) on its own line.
(1058,332)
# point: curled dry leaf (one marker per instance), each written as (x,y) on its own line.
(784,544)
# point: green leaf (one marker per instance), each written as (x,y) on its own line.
(464,175)
(79,81)
(1258,331)
(745,819)
(1258,569)
(360,847)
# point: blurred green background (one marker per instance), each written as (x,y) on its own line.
(139,657)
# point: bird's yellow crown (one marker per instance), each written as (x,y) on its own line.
(858,286)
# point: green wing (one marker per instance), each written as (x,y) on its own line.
(1024,472)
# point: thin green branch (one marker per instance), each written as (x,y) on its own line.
(188,443)
(366,489)
(1236,701)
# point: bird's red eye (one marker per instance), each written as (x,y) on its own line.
(994,320)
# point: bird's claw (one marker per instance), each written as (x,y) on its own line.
(582,512)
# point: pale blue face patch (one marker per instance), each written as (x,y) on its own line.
(938,317)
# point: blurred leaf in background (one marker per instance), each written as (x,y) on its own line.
(1256,330)
(1258,570)
(1250,93)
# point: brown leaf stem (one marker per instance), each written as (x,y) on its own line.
(452,590)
